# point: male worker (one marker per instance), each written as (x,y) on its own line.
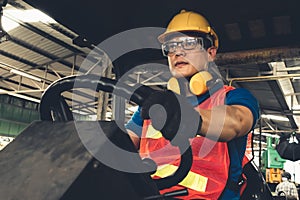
(218,117)
(287,187)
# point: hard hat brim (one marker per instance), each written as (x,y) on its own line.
(169,34)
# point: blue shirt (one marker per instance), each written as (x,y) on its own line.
(236,147)
(238,96)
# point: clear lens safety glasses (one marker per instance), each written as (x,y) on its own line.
(170,47)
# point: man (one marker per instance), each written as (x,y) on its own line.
(287,187)
(214,119)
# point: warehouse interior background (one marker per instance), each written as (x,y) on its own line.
(259,50)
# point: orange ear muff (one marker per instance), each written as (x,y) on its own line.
(197,84)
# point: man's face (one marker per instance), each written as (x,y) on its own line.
(186,56)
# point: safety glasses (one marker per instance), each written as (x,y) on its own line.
(190,43)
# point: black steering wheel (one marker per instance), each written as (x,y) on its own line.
(53,107)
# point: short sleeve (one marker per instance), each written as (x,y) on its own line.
(241,96)
(135,124)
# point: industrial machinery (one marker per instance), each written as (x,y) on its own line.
(272,163)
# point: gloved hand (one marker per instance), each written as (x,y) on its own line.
(170,113)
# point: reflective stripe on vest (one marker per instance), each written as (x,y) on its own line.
(152,133)
(192,180)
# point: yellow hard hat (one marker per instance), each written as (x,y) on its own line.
(188,21)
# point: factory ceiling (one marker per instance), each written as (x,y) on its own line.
(259,48)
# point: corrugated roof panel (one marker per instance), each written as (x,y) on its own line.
(40,42)
(11,62)
(25,53)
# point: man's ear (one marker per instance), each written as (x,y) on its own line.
(212,52)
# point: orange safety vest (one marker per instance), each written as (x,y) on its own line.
(209,172)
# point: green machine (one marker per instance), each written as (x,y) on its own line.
(272,163)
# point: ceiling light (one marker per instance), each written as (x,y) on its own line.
(25,75)
(296,107)
(32,15)
(296,77)
(8,24)
(29,16)
(3,34)
(19,95)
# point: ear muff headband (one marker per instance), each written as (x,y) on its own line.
(173,84)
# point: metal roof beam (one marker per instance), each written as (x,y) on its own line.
(257,56)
